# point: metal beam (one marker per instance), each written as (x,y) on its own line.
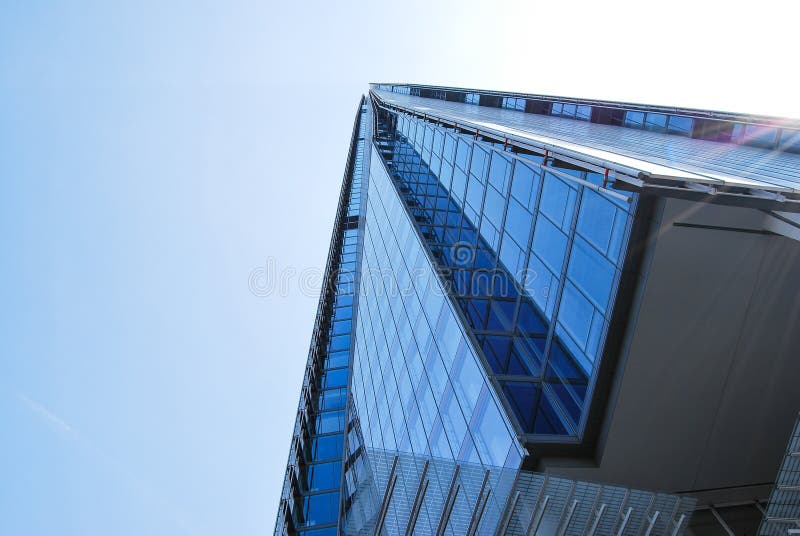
(450,500)
(596,523)
(387,497)
(721,521)
(422,488)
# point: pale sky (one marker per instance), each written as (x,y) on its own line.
(154,154)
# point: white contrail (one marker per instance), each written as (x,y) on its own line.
(55,422)
(67,431)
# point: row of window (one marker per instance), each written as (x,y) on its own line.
(313,494)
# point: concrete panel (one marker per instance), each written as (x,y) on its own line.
(705,395)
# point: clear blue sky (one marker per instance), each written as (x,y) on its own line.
(153,155)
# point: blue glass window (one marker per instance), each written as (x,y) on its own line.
(333,398)
(518,222)
(512,257)
(602,223)
(327,447)
(324,476)
(558,201)
(494,207)
(591,272)
(634,119)
(500,172)
(583,112)
(452,419)
(448,336)
(497,350)
(491,435)
(541,285)
(490,233)
(475,193)
(524,399)
(530,322)
(335,378)
(343,300)
(656,122)
(331,421)
(755,135)
(338,359)
(342,313)
(467,380)
(341,342)
(548,420)
(680,125)
(449,147)
(549,244)
(573,111)
(459,184)
(341,327)
(322,508)
(790,140)
(501,315)
(479,164)
(438,142)
(462,154)
(575,313)
(525,186)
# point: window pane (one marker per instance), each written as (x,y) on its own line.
(324,476)
(499,172)
(634,119)
(326,447)
(657,122)
(525,185)
(558,201)
(335,378)
(596,219)
(549,244)
(680,125)
(591,272)
(322,508)
(518,222)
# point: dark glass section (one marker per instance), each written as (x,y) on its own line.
(454,96)
(608,116)
(492,101)
(537,107)
(708,129)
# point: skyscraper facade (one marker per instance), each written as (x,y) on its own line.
(552,316)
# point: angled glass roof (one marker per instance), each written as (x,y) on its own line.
(653,157)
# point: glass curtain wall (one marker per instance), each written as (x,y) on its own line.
(532,251)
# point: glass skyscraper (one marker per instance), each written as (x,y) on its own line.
(552,316)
